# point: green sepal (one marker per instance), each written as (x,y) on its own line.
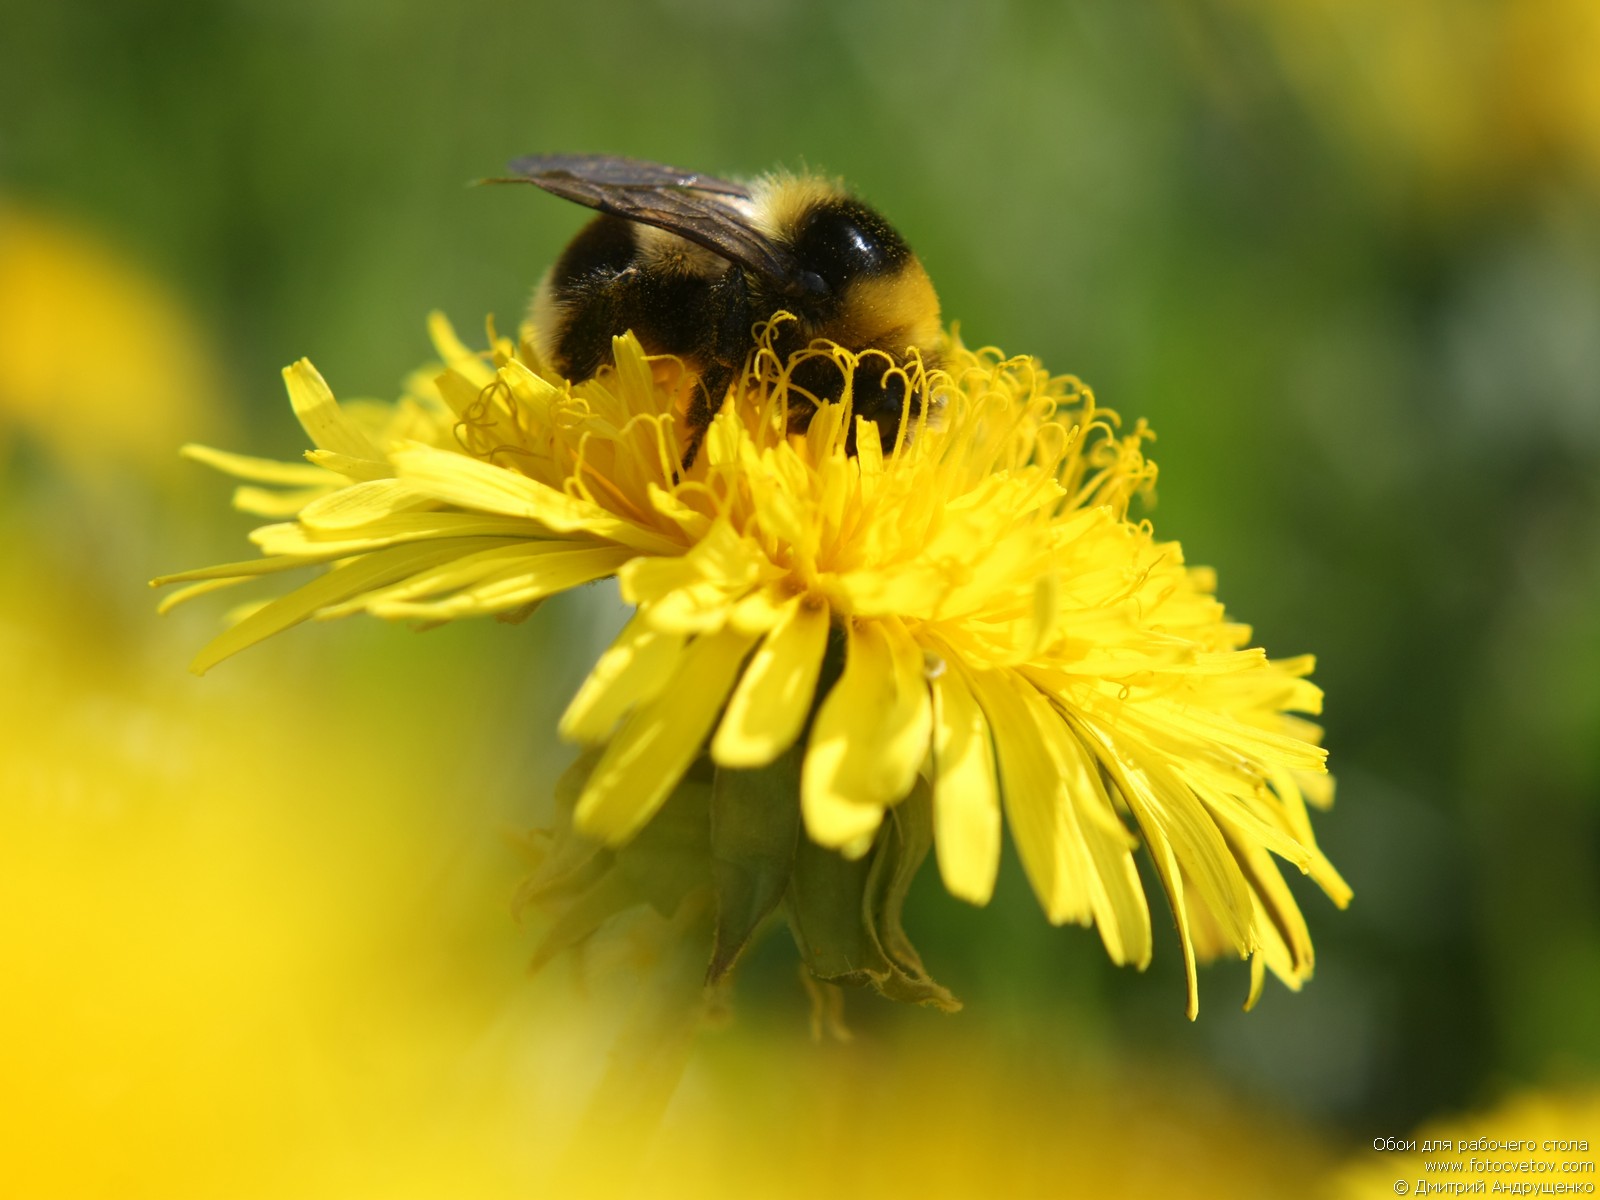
(846,916)
(580,916)
(824,908)
(582,884)
(755,825)
(903,847)
(566,861)
(670,856)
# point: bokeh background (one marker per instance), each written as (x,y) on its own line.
(1344,255)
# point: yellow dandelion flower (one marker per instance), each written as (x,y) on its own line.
(1531,1143)
(884,651)
(56,281)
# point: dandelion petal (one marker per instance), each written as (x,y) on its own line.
(375,570)
(633,670)
(1120,911)
(1030,782)
(655,746)
(870,738)
(769,707)
(328,425)
(966,798)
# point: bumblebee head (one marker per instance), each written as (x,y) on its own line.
(853,278)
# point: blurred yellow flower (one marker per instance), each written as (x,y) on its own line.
(147,382)
(886,649)
(942,1113)
(1555,1131)
(213,947)
(1446,99)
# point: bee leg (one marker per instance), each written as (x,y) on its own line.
(727,316)
(729,313)
(709,391)
(690,452)
(880,397)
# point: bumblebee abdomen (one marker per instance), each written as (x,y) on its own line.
(614,277)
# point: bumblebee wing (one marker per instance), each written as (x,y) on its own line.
(606,170)
(691,205)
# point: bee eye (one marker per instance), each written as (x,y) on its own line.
(845,239)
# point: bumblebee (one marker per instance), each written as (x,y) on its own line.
(693,265)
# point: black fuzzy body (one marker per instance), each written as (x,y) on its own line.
(619,275)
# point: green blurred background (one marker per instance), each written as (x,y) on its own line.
(1345,256)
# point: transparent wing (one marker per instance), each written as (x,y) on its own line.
(691,205)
